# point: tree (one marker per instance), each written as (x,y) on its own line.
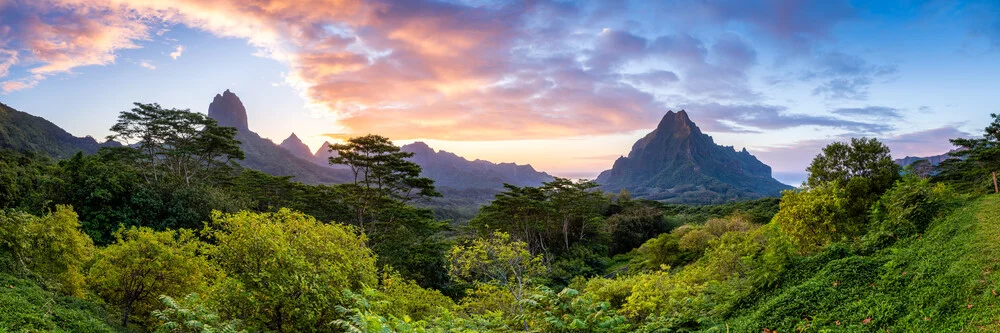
(176,145)
(922,168)
(815,217)
(285,271)
(144,264)
(51,247)
(497,260)
(864,167)
(574,202)
(982,153)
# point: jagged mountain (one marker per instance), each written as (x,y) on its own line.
(24,132)
(678,163)
(298,148)
(455,172)
(262,154)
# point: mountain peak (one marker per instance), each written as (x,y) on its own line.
(229,111)
(418,147)
(678,163)
(294,145)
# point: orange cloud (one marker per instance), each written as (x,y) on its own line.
(405,69)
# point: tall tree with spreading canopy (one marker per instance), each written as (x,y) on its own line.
(383,178)
(176,145)
(864,167)
(982,154)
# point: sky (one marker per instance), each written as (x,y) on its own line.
(566,86)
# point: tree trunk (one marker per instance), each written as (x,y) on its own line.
(128,308)
(996,189)
(566,231)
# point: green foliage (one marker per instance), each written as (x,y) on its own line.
(176,146)
(571,311)
(51,248)
(816,216)
(28,307)
(189,315)
(864,168)
(285,271)
(143,264)
(634,225)
(908,209)
(497,260)
(978,163)
(405,299)
(941,281)
(382,176)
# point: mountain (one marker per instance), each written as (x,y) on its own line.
(678,163)
(24,132)
(295,146)
(935,160)
(455,172)
(262,154)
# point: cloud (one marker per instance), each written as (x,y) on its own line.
(147,65)
(871,112)
(924,143)
(76,35)
(920,143)
(757,117)
(461,70)
(845,76)
(177,52)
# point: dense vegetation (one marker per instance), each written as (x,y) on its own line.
(170,234)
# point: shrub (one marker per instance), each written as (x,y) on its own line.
(142,265)
(285,271)
(815,217)
(51,248)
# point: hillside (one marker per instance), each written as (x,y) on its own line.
(934,160)
(945,281)
(262,154)
(24,132)
(677,163)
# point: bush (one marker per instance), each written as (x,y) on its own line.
(142,265)
(51,248)
(907,209)
(285,271)
(816,216)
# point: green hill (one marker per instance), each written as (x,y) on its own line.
(24,132)
(947,280)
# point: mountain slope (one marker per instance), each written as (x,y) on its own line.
(262,154)
(944,280)
(295,146)
(678,163)
(24,132)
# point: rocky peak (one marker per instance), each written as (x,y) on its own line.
(229,111)
(295,145)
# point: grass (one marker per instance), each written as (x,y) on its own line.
(947,279)
(26,307)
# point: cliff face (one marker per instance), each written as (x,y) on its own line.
(676,162)
(228,110)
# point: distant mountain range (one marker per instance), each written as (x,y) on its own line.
(262,154)
(24,132)
(677,163)
(934,160)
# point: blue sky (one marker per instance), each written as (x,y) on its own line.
(564,86)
